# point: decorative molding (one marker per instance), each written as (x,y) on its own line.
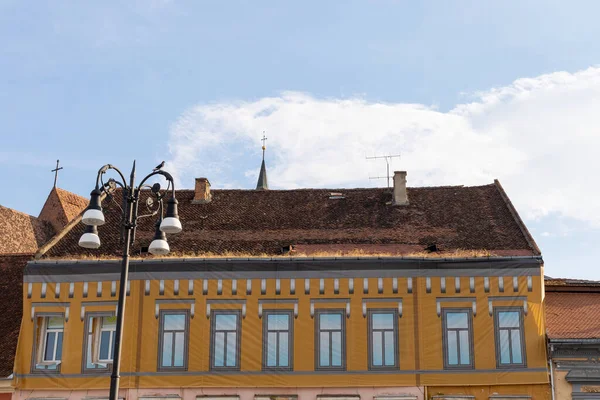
(440,300)
(398,301)
(346,301)
(492,299)
(191,302)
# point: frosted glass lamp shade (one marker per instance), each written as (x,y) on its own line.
(90,238)
(159,247)
(92,216)
(170,225)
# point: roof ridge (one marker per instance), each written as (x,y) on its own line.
(69,193)
(517,218)
(339,188)
(59,235)
(19,212)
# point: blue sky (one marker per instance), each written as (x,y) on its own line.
(467,91)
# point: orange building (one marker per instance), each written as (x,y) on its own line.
(425,293)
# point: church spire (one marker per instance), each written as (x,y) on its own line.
(262,176)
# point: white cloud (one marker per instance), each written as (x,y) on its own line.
(539,136)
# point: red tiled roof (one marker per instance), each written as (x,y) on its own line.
(11,308)
(572,315)
(261,222)
(568,284)
(60,207)
(21,233)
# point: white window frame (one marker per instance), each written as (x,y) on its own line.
(98,340)
(40,342)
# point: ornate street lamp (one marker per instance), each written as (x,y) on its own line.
(93,217)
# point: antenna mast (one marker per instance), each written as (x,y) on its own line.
(388,160)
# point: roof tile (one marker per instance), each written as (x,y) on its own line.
(262,222)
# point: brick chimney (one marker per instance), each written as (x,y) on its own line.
(400,196)
(202,191)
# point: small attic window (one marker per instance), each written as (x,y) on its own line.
(432,248)
(336,196)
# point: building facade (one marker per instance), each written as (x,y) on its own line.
(357,328)
(573,329)
(424,293)
(21,236)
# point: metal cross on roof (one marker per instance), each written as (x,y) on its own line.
(56,172)
(264,139)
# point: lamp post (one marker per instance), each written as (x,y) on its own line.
(93,217)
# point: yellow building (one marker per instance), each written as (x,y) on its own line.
(452,311)
(274,327)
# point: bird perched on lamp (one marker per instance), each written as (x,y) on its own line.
(159,166)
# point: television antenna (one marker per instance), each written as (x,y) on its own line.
(388,160)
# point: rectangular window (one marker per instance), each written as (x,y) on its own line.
(457,338)
(225,340)
(383,339)
(277,340)
(173,340)
(510,344)
(330,340)
(99,341)
(48,342)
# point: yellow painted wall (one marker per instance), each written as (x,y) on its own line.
(420,336)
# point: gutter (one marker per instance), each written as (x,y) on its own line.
(574,341)
(551,372)
(424,260)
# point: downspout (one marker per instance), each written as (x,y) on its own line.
(551,372)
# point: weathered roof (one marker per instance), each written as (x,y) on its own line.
(11,308)
(262,222)
(60,207)
(21,233)
(572,315)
